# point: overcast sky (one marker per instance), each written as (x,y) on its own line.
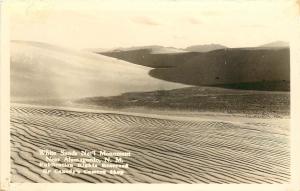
(177,23)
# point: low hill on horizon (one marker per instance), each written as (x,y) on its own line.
(276,44)
(205,48)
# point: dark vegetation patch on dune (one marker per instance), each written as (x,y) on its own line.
(204,99)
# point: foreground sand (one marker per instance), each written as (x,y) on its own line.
(163,149)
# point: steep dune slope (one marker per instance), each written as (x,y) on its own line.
(42,71)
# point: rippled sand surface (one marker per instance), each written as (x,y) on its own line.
(163,150)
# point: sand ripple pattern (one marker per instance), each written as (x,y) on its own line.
(163,151)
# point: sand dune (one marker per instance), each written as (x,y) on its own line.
(236,67)
(163,150)
(180,148)
(42,71)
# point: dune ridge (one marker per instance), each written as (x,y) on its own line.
(43,71)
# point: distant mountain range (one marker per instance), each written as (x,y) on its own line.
(169,50)
(156,49)
(205,48)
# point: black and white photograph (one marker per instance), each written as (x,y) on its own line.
(175,92)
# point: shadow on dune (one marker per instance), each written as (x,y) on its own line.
(239,68)
(248,69)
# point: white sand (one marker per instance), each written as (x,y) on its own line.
(163,149)
(41,71)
